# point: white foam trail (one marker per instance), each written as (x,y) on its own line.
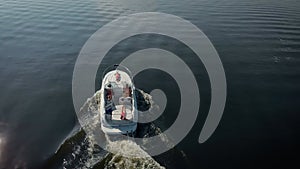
(122,159)
(126,148)
(119,148)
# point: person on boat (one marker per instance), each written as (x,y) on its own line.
(126,91)
(123,113)
(118,77)
(109,107)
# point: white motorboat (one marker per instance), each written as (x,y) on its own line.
(118,107)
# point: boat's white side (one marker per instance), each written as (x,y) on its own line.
(121,126)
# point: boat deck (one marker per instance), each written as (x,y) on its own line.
(116,114)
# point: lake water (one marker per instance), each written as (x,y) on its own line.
(258,42)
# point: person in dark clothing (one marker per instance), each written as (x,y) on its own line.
(109,107)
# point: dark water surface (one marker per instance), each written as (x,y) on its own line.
(258,42)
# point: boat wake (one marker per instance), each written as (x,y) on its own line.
(81,150)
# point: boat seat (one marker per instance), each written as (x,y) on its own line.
(125,100)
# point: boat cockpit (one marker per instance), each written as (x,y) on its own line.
(118,100)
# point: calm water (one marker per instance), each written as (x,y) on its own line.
(258,42)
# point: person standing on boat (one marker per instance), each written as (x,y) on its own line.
(123,113)
(109,107)
(118,77)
